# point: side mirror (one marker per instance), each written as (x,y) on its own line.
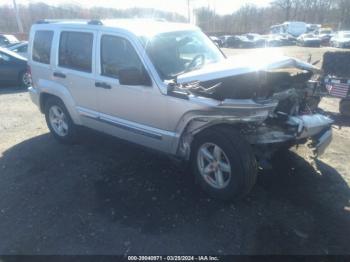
(134,77)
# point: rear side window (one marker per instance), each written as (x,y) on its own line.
(42,46)
(75,51)
(116,54)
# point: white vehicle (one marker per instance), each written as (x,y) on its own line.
(20,48)
(168,87)
(295,29)
(341,39)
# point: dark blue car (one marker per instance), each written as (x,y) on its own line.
(13,69)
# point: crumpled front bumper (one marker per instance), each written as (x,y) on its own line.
(321,142)
(316,128)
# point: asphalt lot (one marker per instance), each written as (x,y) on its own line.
(106,196)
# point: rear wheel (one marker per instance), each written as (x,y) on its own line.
(59,121)
(223,163)
(24,79)
(344,107)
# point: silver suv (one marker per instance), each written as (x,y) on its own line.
(168,87)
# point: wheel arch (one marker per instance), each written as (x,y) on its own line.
(64,96)
(195,128)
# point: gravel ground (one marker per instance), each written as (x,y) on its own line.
(105,196)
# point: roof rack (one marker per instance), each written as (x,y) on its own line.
(52,21)
(46,21)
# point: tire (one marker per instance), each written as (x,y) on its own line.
(236,152)
(53,108)
(24,79)
(344,107)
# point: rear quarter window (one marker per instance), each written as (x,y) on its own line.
(42,46)
(75,51)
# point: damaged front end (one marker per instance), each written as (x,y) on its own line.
(273,103)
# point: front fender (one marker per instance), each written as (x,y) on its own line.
(228,112)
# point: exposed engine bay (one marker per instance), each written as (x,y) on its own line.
(287,82)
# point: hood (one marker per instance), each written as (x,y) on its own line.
(239,65)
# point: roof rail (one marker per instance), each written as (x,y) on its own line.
(51,21)
(46,21)
(95,22)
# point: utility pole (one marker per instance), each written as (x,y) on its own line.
(19,23)
(188,11)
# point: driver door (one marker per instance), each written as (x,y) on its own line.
(132,112)
(8,69)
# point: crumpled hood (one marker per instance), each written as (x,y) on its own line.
(243,64)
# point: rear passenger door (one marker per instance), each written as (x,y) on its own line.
(74,68)
(41,57)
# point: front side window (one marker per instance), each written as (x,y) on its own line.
(175,53)
(42,46)
(75,51)
(117,53)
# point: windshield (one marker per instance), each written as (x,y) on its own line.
(346,35)
(175,53)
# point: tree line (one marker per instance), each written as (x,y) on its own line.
(33,12)
(249,18)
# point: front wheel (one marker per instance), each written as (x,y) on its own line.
(59,121)
(223,163)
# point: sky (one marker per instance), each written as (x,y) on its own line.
(178,6)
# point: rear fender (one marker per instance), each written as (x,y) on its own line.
(55,89)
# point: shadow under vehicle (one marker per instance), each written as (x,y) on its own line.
(106,196)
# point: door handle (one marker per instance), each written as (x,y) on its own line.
(103,85)
(59,74)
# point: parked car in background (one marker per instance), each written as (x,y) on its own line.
(312,27)
(341,39)
(7,40)
(310,40)
(223,39)
(295,29)
(325,35)
(216,40)
(20,48)
(275,40)
(13,68)
(256,39)
(231,41)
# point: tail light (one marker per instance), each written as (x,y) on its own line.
(29,70)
